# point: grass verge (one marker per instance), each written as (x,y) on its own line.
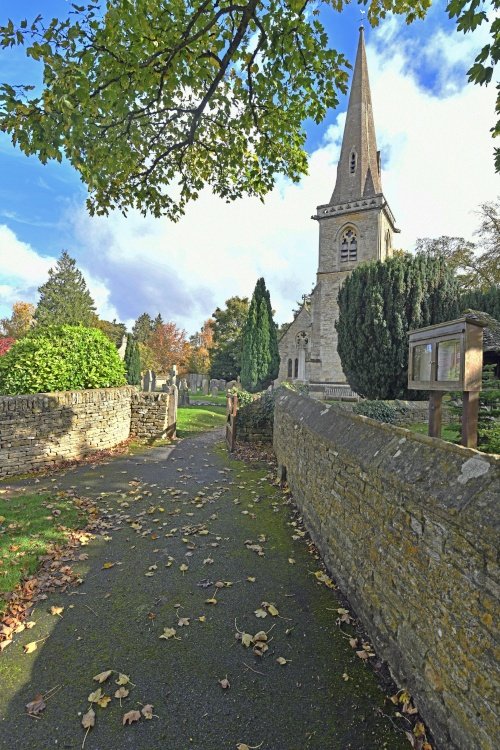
(29,526)
(449,432)
(194,419)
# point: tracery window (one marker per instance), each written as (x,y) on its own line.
(349,245)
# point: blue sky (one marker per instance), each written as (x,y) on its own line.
(428,122)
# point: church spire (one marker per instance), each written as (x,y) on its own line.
(358,170)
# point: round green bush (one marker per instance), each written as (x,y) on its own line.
(61,358)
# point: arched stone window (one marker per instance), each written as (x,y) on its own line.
(352,162)
(289,368)
(296,368)
(349,245)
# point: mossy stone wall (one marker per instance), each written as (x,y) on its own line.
(408,526)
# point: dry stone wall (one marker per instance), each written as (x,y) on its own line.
(408,525)
(42,430)
(153,415)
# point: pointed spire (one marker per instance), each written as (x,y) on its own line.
(358,170)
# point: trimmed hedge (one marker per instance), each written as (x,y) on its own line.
(61,358)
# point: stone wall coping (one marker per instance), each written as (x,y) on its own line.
(458,479)
(85,395)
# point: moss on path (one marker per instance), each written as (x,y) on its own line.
(192,506)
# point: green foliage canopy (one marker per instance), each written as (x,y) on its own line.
(61,358)
(378,304)
(64,298)
(151,101)
(225,352)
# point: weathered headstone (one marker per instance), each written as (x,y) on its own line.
(183,393)
(173,375)
(205,386)
(148,380)
(214,390)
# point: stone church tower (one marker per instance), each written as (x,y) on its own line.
(356,225)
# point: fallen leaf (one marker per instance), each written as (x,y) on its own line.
(30,647)
(108,565)
(281,660)
(211,601)
(168,633)
(147,711)
(272,610)
(362,655)
(260,613)
(251,579)
(37,705)
(183,567)
(130,717)
(123,679)
(353,643)
(103,702)
(345,677)
(103,676)
(122,692)
(246,639)
(182,621)
(96,696)
(88,719)
(202,618)
(225,684)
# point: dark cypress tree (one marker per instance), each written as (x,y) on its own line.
(132,361)
(64,298)
(378,304)
(260,359)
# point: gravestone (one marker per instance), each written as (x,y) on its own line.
(214,390)
(148,381)
(205,386)
(183,393)
(173,375)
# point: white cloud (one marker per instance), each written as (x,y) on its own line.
(438,166)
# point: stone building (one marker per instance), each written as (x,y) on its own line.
(356,225)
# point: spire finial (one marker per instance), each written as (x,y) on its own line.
(362,20)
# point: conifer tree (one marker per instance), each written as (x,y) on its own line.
(64,298)
(142,328)
(132,361)
(260,359)
(378,304)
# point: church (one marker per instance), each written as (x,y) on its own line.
(355,226)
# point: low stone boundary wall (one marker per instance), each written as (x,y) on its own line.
(408,525)
(42,430)
(154,415)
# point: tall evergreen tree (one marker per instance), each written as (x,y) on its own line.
(378,304)
(132,362)
(158,322)
(142,327)
(487,301)
(64,298)
(260,359)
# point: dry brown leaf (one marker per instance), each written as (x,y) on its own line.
(183,621)
(147,711)
(251,579)
(130,717)
(103,676)
(353,643)
(122,692)
(37,705)
(224,683)
(281,660)
(103,702)
(260,613)
(246,639)
(272,610)
(88,719)
(56,610)
(362,655)
(213,600)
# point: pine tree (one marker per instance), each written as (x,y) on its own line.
(259,360)
(64,298)
(143,326)
(378,304)
(157,322)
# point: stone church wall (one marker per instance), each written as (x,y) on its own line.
(43,430)
(408,527)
